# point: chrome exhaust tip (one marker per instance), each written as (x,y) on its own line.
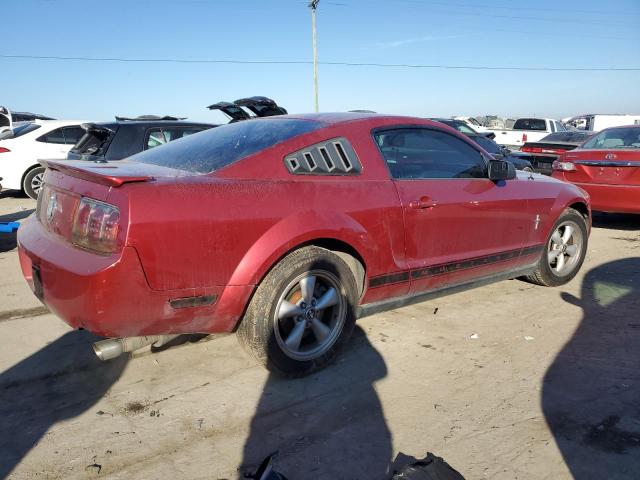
(114,347)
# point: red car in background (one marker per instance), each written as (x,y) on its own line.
(607,166)
(285,229)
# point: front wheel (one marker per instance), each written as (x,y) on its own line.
(564,251)
(302,313)
(33,182)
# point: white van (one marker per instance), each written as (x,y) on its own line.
(596,122)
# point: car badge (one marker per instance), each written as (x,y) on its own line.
(610,156)
(52,206)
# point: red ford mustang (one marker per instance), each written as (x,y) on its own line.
(608,167)
(288,228)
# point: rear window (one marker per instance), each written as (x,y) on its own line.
(615,138)
(218,147)
(568,136)
(19,131)
(530,124)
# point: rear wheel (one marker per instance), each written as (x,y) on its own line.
(33,182)
(302,313)
(564,252)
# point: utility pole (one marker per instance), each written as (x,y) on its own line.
(313,5)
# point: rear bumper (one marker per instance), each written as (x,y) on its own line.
(613,198)
(110,296)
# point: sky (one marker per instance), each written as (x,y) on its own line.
(516,34)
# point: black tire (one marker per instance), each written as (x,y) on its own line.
(32,179)
(262,332)
(545,274)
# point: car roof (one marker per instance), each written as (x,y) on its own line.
(57,123)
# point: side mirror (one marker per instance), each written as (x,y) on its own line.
(501,170)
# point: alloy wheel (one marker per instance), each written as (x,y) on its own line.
(310,315)
(565,248)
(36,183)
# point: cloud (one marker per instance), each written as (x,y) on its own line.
(408,41)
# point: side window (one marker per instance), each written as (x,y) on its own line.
(160,136)
(155,138)
(417,153)
(54,136)
(72,134)
(173,133)
(552,127)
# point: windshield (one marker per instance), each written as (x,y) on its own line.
(214,149)
(530,124)
(625,137)
(488,144)
(18,131)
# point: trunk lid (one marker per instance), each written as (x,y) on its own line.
(5,119)
(70,185)
(94,143)
(233,111)
(261,106)
(612,167)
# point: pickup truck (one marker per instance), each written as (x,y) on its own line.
(527,130)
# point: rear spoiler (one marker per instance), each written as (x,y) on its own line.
(93,128)
(149,118)
(94,172)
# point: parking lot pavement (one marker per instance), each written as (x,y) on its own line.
(506,381)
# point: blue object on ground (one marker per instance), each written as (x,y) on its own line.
(9,227)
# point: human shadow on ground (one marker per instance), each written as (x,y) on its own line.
(329,425)
(58,382)
(591,392)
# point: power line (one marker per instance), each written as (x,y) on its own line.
(465,12)
(573,11)
(307,62)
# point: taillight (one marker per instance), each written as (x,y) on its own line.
(563,166)
(4,150)
(95,226)
(531,149)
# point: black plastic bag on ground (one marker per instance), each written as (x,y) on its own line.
(429,468)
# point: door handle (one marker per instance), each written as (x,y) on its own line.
(421,204)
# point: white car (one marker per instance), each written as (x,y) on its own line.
(25,144)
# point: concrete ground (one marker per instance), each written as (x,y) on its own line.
(509,381)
